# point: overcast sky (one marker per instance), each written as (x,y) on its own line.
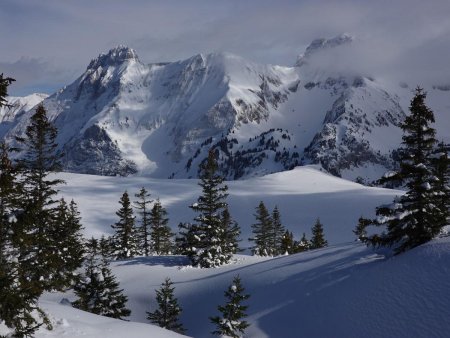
(46,44)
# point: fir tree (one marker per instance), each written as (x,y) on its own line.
(230,234)
(318,239)
(168,312)
(4,83)
(360,229)
(231,323)
(124,243)
(36,221)
(161,233)
(441,165)
(18,296)
(143,207)
(303,244)
(68,244)
(287,243)
(207,250)
(98,291)
(415,217)
(186,239)
(262,231)
(277,233)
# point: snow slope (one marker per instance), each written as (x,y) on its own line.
(345,290)
(302,195)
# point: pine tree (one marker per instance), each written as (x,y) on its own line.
(168,312)
(262,231)
(161,233)
(68,244)
(318,239)
(287,243)
(98,291)
(125,241)
(19,310)
(143,207)
(230,235)
(360,229)
(186,240)
(415,217)
(231,323)
(16,302)
(4,83)
(441,165)
(277,233)
(36,221)
(303,244)
(207,250)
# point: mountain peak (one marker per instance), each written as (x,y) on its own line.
(323,44)
(115,56)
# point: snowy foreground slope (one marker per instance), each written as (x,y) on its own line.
(345,290)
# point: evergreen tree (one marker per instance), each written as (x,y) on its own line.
(4,83)
(36,221)
(262,231)
(143,207)
(68,244)
(230,234)
(287,243)
(231,323)
(161,233)
(105,248)
(98,291)
(18,296)
(125,241)
(360,229)
(303,244)
(417,216)
(186,239)
(208,249)
(168,312)
(441,166)
(277,233)
(318,239)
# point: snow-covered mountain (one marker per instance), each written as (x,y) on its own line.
(122,116)
(17,106)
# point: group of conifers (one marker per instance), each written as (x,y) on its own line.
(42,249)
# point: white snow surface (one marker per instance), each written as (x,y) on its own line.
(345,290)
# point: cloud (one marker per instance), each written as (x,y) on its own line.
(405,38)
(34,75)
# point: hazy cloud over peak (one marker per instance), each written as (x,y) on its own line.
(48,43)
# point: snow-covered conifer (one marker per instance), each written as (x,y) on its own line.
(168,312)
(262,231)
(161,234)
(231,323)
(143,207)
(417,216)
(318,239)
(125,241)
(207,249)
(277,233)
(98,290)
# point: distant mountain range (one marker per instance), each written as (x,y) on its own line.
(122,116)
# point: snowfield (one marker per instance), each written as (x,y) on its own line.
(345,290)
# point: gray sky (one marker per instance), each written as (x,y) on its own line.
(48,43)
